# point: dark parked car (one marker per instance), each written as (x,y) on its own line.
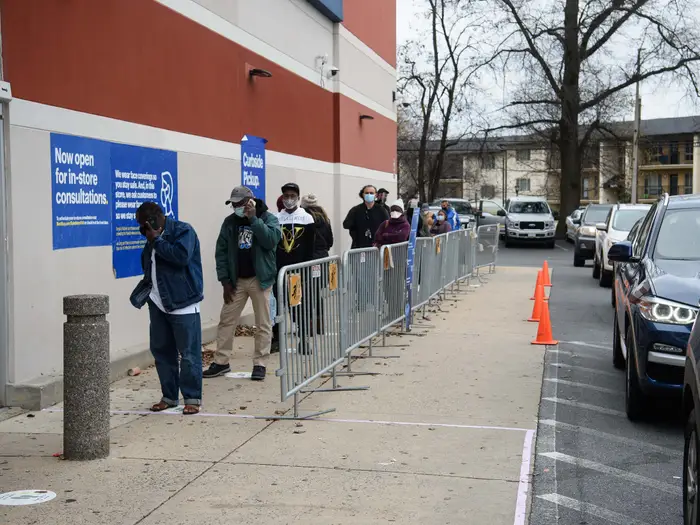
(691,409)
(656,299)
(584,237)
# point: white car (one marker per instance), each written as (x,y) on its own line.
(620,220)
(529,219)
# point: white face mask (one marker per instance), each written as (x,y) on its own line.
(440,218)
(395,214)
(290,203)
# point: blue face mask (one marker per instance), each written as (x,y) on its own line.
(240,212)
(369,197)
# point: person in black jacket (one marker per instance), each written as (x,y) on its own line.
(364,219)
(323,242)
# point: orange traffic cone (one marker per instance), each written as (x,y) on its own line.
(544,330)
(537,307)
(538,283)
(545,275)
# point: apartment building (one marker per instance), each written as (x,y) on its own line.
(502,167)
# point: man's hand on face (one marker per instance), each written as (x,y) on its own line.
(250,209)
(228,293)
(151,234)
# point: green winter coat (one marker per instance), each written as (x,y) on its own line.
(266,237)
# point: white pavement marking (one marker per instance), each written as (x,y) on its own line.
(582,385)
(576,404)
(578,356)
(587,345)
(561,366)
(612,437)
(562,248)
(605,469)
(524,483)
(593,510)
(329,420)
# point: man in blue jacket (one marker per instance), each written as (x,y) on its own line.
(173,288)
(451,214)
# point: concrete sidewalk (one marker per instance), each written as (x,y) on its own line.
(442,436)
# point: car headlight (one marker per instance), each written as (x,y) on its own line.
(548,225)
(512,224)
(664,311)
(588,231)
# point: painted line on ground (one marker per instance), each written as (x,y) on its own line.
(578,356)
(593,510)
(562,248)
(623,474)
(586,406)
(524,483)
(329,420)
(582,385)
(565,366)
(587,345)
(612,437)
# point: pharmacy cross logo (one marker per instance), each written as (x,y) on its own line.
(167,190)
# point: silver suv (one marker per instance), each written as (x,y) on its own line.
(529,219)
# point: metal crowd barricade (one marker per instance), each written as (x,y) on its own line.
(309,313)
(487,247)
(465,263)
(361,274)
(427,272)
(393,258)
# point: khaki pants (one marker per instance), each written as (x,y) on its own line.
(231,314)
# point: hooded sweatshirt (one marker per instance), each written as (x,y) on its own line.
(298,232)
(440,227)
(393,231)
(363,222)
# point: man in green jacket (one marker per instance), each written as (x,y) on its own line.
(246,266)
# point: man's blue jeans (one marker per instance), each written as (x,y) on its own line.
(173,336)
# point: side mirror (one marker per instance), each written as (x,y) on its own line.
(601,227)
(576,222)
(501,213)
(621,252)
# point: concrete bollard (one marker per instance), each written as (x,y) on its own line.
(86,377)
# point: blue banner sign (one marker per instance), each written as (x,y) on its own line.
(331,9)
(138,175)
(409,266)
(253,164)
(80,191)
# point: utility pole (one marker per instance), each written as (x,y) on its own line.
(505,176)
(635,137)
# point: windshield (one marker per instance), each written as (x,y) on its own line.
(529,207)
(679,235)
(462,208)
(595,215)
(625,219)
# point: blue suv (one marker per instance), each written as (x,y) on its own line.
(657,287)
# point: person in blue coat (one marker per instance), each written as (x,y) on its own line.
(451,214)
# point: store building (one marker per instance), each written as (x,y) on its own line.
(118,101)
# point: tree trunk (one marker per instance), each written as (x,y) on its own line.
(570,189)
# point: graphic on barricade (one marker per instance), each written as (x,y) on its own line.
(393,284)
(487,246)
(361,277)
(309,313)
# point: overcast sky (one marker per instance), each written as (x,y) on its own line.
(657,101)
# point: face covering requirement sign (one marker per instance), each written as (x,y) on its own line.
(97,186)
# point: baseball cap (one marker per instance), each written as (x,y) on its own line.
(240,193)
(383,190)
(291,186)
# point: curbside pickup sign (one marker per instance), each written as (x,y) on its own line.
(253,164)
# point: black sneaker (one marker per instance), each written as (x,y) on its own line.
(258,373)
(274,347)
(215,370)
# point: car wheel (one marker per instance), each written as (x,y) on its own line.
(691,510)
(605,278)
(618,358)
(579,261)
(634,397)
(612,294)
(596,268)
(551,245)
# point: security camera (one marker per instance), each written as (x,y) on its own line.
(333,71)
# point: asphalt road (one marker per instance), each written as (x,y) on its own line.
(593,466)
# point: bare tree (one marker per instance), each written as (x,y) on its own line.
(575,60)
(436,79)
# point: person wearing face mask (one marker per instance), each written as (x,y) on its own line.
(396,229)
(364,219)
(427,220)
(246,268)
(381,199)
(173,288)
(451,215)
(441,225)
(296,246)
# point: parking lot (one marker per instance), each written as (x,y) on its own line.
(592,465)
